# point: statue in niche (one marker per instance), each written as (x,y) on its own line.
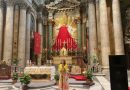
(63,51)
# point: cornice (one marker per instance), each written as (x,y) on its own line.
(10,2)
(39,17)
(63,5)
(23,6)
(92,1)
(1,3)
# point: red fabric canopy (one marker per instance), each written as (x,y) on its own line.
(64,38)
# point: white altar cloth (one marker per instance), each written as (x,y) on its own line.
(41,70)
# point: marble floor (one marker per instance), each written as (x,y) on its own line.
(97,86)
(101,83)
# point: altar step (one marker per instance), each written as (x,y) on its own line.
(104,82)
(8,81)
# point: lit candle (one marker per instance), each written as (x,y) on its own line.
(67,44)
(60,44)
(56,45)
(71,44)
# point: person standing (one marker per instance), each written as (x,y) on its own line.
(63,80)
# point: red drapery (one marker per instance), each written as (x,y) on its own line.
(64,38)
(37,43)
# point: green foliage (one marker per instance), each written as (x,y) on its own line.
(15,61)
(56,77)
(89,74)
(94,58)
(25,79)
(15,76)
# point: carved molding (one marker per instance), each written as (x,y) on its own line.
(78,20)
(51,21)
(40,19)
(23,5)
(128,13)
(10,2)
(1,3)
(40,8)
(63,5)
(29,10)
(92,1)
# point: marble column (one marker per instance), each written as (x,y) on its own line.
(15,33)
(79,34)
(50,37)
(98,31)
(8,32)
(50,31)
(40,30)
(105,43)
(28,33)
(22,35)
(1,27)
(92,30)
(117,25)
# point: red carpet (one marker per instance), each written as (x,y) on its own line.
(79,77)
(128,88)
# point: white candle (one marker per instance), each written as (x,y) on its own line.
(56,45)
(71,44)
(60,44)
(67,44)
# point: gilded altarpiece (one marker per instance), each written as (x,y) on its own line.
(69,20)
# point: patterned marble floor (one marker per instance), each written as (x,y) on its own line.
(101,83)
(97,86)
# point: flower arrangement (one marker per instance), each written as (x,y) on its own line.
(15,61)
(89,75)
(25,79)
(56,76)
(15,76)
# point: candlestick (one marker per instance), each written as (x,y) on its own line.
(67,44)
(58,45)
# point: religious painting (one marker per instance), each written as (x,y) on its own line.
(65,31)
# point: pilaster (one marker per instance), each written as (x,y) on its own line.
(117,25)
(105,43)
(22,35)
(8,32)
(92,30)
(1,27)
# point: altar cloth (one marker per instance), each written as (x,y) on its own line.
(41,70)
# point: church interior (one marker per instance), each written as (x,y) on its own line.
(91,38)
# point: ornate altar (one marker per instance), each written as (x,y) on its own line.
(42,72)
(58,59)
